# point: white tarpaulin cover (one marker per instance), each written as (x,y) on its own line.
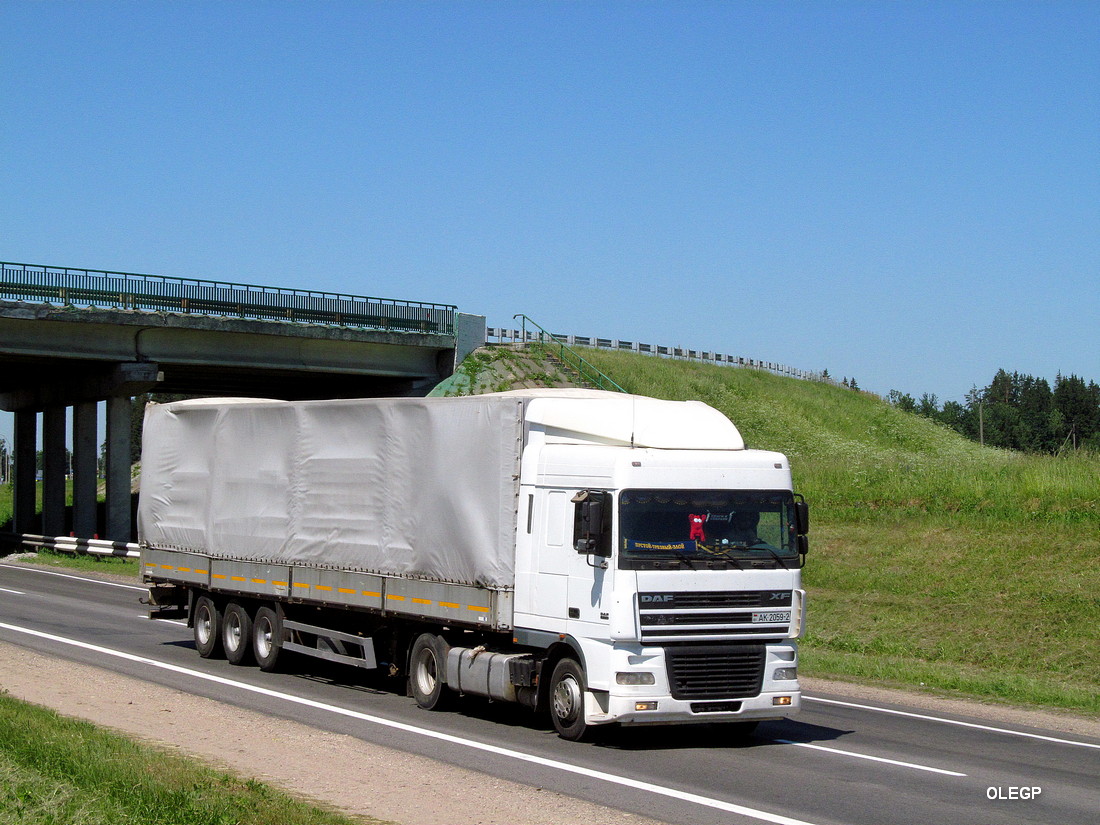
(414,487)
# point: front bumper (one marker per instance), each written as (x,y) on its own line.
(655,704)
(669,711)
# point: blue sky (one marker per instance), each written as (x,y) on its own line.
(905,192)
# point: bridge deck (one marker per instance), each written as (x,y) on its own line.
(95,288)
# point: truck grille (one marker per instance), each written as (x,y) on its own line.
(714,615)
(715,671)
(714,599)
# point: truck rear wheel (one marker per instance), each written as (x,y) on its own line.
(207,627)
(567,700)
(267,638)
(427,666)
(236,633)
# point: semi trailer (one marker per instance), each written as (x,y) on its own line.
(608,558)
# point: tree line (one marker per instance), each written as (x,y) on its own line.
(1019,412)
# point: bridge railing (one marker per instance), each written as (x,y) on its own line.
(126,290)
(501,335)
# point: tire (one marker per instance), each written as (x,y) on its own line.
(236,634)
(207,625)
(267,638)
(427,666)
(567,700)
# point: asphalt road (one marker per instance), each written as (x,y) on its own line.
(842,761)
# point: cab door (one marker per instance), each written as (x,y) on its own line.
(552,553)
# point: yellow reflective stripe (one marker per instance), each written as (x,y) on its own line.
(373,594)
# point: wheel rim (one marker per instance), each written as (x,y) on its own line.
(263,638)
(426,678)
(232,631)
(567,698)
(204,626)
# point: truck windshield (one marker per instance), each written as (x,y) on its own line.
(704,527)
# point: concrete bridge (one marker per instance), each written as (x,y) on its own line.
(73,338)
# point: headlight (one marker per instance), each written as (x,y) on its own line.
(781,674)
(635,679)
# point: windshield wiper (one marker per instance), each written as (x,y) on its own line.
(725,554)
(685,559)
(760,545)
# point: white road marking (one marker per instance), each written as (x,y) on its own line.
(674,793)
(14,592)
(872,758)
(952,722)
(77,578)
(145,618)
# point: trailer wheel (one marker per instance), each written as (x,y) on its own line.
(236,633)
(567,700)
(207,626)
(267,638)
(427,665)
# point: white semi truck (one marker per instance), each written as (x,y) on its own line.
(610,558)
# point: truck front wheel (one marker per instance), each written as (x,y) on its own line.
(427,665)
(207,627)
(567,700)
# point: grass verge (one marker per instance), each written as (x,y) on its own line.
(58,770)
(88,563)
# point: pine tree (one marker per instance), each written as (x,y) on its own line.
(902,400)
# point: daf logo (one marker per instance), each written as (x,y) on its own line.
(657,597)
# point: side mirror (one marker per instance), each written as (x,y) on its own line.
(802,516)
(591,523)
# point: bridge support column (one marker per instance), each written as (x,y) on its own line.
(24,453)
(53,472)
(118,468)
(84,470)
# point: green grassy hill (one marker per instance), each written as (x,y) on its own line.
(935,563)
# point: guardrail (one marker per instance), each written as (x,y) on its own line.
(127,290)
(502,336)
(70,544)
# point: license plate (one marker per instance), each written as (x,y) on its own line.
(771,616)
